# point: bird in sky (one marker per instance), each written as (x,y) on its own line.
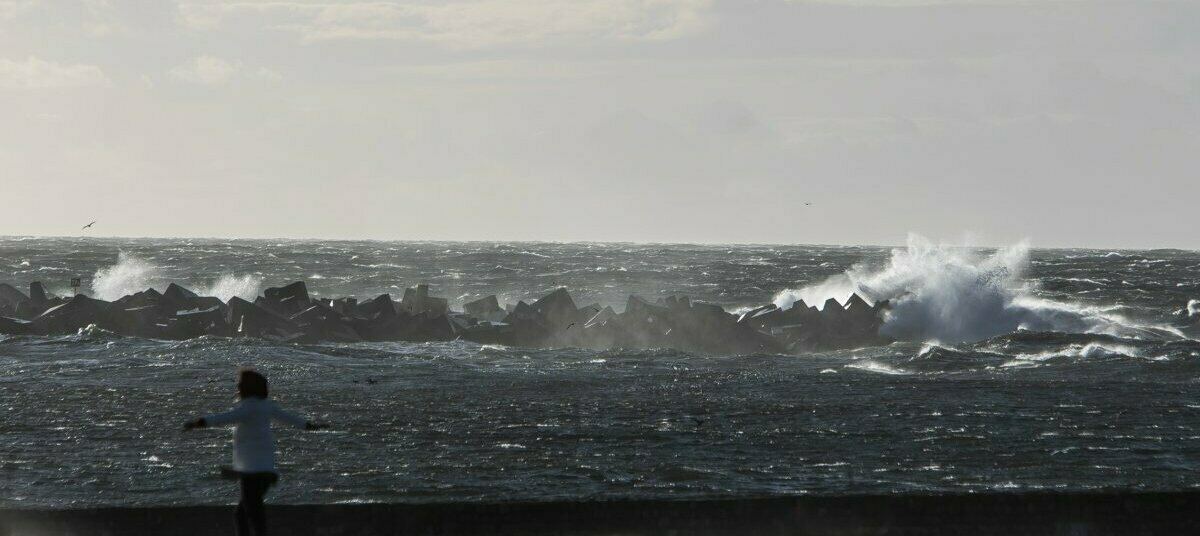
(88,226)
(808,204)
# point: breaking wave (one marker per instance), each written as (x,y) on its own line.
(129,275)
(132,274)
(229,285)
(952,294)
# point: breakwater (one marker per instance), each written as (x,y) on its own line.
(289,314)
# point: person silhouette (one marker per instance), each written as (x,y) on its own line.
(253,446)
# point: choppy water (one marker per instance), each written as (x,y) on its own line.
(1095,386)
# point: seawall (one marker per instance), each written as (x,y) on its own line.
(990,513)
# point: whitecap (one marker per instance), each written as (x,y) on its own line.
(953,294)
(871,365)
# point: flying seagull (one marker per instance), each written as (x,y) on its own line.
(88,226)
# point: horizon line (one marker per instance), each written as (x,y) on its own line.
(576,241)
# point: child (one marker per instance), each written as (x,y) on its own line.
(253,446)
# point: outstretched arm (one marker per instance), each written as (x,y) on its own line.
(287,417)
(232,416)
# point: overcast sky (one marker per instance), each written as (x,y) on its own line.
(1066,122)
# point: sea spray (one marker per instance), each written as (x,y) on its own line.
(953,294)
(229,285)
(133,274)
(129,275)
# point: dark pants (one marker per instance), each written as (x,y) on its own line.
(250,511)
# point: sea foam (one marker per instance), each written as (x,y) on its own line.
(954,294)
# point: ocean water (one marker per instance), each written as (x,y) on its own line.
(1013,369)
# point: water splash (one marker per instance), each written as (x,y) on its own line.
(953,294)
(229,285)
(133,274)
(129,275)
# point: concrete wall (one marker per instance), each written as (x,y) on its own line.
(1064,514)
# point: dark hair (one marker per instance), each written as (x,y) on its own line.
(251,384)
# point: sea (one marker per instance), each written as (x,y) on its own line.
(1012,369)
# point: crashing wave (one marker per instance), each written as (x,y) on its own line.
(953,294)
(132,274)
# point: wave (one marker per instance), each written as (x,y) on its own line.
(228,285)
(132,274)
(129,275)
(953,294)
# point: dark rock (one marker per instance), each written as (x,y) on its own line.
(322,323)
(297,291)
(148,297)
(641,325)
(15,326)
(859,316)
(208,302)
(177,293)
(10,296)
(557,309)
(417,300)
(856,304)
(81,311)
(636,306)
(528,325)
(38,296)
(487,308)
(344,306)
(26,310)
(202,321)
(832,308)
(487,332)
(431,328)
(286,300)
(586,312)
(379,320)
(145,320)
(601,316)
(752,316)
(249,320)
(382,305)
(177,298)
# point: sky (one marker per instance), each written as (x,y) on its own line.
(1063,122)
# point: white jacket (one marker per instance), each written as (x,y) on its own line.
(253,446)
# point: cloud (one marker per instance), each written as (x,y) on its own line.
(10,9)
(466,24)
(36,73)
(207,70)
(214,71)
